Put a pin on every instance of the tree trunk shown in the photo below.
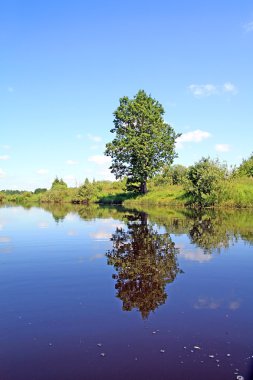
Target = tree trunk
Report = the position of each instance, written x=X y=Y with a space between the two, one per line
x=144 y=219
x=143 y=187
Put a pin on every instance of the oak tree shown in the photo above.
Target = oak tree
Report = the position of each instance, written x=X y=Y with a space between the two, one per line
x=143 y=142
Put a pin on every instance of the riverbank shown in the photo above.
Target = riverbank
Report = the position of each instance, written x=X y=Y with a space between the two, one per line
x=236 y=193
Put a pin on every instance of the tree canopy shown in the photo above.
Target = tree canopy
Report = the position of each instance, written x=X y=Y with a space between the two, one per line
x=59 y=184
x=143 y=142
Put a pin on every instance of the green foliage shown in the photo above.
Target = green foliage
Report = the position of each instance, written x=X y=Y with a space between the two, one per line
x=13 y=192
x=246 y=168
x=54 y=195
x=208 y=232
x=40 y=190
x=59 y=184
x=205 y=182
x=143 y=144
x=58 y=194
x=178 y=174
x=171 y=175
x=86 y=192
x=2 y=197
x=238 y=192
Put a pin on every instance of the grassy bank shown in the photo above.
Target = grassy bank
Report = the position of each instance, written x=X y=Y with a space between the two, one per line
x=238 y=193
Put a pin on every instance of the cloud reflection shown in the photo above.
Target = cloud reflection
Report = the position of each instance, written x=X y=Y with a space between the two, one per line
x=72 y=233
x=198 y=255
x=207 y=303
x=234 y=305
x=214 y=304
x=43 y=225
x=97 y=256
x=101 y=235
x=5 y=239
x=5 y=251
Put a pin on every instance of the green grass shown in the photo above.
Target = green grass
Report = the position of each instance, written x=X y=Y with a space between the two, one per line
x=238 y=193
x=171 y=195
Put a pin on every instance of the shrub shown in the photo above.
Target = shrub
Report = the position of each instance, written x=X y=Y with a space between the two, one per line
x=86 y=193
x=205 y=181
x=2 y=197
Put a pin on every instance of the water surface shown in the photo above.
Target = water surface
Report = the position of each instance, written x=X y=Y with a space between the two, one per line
x=105 y=293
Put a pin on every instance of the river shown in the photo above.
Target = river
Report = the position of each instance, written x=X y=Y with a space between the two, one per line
x=111 y=293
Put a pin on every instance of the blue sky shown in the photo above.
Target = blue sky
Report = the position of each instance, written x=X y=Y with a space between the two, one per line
x=65 y=64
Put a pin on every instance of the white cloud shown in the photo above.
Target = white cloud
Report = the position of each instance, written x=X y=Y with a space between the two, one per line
x=204 y=90
x=229 y=88
x=248 y=27
x=94 y=138
x=193 y=136
x=42 y=171
x=99 y=159
x=2 y=173
x=222 y=148
x=4 y=158
x=201 y=90
x=71 y=162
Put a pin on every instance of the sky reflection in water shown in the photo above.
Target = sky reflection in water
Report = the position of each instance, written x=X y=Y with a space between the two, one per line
x=92 y=293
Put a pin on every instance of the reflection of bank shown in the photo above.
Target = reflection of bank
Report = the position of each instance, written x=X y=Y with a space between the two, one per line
x=145 y=261
x=209 y=233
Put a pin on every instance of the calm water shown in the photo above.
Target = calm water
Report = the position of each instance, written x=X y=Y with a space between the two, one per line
x=91 y=293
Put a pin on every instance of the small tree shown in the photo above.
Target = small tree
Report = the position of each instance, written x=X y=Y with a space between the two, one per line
x=86 y=192
x=59 y=184
x=205 y=182
x=143 y=144
x=40 y=190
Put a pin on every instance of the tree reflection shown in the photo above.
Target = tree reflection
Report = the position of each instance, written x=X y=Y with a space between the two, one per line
x=209 y=232
x=58 y=211
x=145 y=261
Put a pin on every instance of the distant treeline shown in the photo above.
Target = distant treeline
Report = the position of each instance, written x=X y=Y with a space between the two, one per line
x=15 y=192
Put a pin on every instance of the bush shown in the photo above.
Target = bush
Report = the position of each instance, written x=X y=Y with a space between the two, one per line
x=2 y=197
x=86 y=193
x=205 y=180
